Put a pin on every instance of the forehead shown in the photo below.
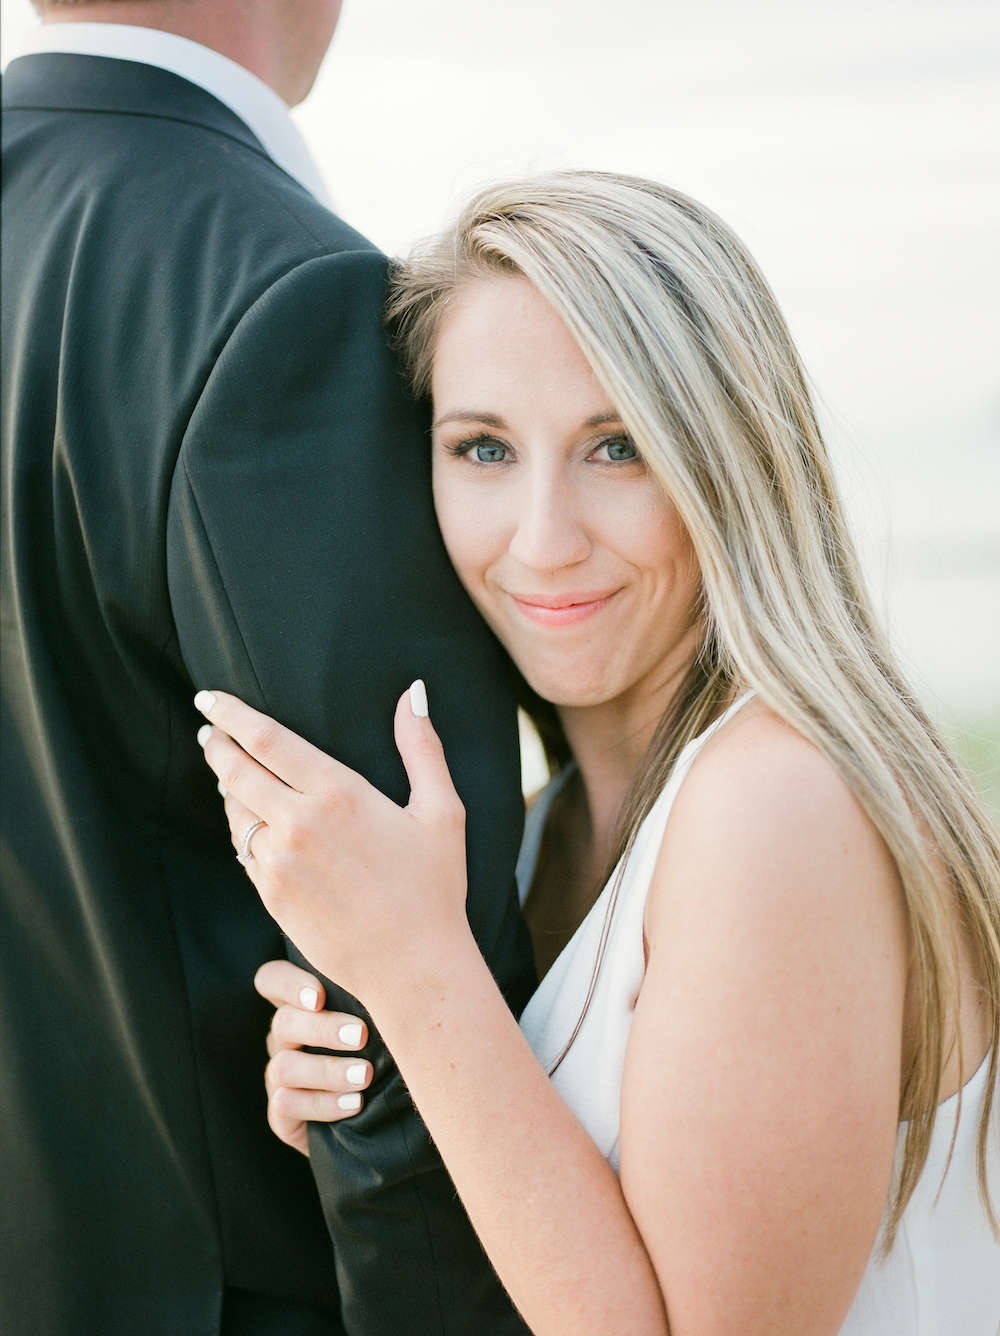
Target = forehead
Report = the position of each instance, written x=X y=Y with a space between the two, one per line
x=501 y=342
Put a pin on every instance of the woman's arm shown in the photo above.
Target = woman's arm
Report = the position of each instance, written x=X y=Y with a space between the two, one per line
x=305 y=1086
x=759 y=1109
x=761 y=1089
x=545 y=1203
x=374 y=894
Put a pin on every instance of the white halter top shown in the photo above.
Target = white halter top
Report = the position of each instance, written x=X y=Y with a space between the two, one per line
x=942 y=1276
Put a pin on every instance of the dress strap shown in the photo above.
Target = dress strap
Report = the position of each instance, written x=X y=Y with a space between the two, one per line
x=725 y=717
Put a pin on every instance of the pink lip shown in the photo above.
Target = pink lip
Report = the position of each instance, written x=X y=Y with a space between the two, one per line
x=563 y=609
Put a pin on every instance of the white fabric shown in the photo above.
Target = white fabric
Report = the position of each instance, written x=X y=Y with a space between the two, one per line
x=942 y=1277
x=258 y=106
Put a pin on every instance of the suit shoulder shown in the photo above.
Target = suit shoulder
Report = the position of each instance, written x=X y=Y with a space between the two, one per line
x=166 y=180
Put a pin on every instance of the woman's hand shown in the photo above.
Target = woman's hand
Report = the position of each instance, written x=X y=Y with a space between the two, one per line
x=372 y=893
x=308 y=1087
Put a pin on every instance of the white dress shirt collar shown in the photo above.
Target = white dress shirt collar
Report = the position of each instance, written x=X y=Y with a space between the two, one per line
x=257 y=105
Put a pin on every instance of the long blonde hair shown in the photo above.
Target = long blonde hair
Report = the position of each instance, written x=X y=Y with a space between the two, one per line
x=685 y=336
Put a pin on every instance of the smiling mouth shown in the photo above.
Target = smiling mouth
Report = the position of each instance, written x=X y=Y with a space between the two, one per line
x=563 y=609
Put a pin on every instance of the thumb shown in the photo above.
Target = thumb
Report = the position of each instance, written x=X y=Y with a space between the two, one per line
x=431 y=789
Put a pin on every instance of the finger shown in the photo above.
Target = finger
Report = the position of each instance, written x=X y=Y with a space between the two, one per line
x=241 y=776
x=240 y=819
x=431 y=787
x=313 y=1106
x=276 y=1045
x=234 y=808
x=254 y=869
x=282 y=983
x=294 y=1028
x=292 y=1131
x=317 y=1071
x=297 y=762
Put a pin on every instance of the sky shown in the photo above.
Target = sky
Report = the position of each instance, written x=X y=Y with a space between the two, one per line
x=855 y=146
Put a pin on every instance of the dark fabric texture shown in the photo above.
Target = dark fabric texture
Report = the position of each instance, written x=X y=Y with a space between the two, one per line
x=248 y=1314
x=213 y=477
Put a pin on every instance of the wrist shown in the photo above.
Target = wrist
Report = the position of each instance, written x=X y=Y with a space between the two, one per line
x=423 y=980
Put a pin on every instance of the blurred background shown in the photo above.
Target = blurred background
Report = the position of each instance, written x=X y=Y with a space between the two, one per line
x=855 y=146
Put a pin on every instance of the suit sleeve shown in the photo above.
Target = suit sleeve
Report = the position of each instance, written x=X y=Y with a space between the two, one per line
x=307 y=575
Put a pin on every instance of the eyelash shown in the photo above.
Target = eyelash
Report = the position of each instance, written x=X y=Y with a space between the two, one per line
x=464 y=447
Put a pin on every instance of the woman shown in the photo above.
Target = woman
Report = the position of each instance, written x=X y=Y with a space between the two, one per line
x=632 y=486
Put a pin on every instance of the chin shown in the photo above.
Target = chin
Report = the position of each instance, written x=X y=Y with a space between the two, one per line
x=572 y=690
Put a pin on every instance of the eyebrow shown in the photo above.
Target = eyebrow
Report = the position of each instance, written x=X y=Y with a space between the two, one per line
x=471 y=415
x=492 y=420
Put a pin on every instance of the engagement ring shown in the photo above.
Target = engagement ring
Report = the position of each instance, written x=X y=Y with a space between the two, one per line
x=246 y=853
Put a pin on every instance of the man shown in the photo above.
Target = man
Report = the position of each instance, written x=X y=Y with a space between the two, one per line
x=213 y=478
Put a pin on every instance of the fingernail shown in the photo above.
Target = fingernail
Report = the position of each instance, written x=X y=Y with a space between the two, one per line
x=223 y=790
x=205 y=701
x=308 y=997
x=350 y=1035
x=351 y=1103
x=204 y=733
x=418 y=700
x=356 y=1073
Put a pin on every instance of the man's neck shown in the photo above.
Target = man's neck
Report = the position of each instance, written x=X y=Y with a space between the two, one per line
x=243 y=33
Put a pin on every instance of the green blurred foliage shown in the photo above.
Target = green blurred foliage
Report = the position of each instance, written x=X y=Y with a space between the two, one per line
x=977 y=741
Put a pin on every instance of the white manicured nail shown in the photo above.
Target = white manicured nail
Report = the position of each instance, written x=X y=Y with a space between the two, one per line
x=350 y=1035
x=205 y=701
x=308 y=997
x=350 y=1103
x=223 y=790
x=418 y=699
x=204 y=733
x=356 y=1073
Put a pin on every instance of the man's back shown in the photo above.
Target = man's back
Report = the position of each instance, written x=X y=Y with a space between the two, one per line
x=212 y=478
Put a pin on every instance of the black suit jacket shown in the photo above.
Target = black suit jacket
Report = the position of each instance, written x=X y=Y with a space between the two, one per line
x=213 y=477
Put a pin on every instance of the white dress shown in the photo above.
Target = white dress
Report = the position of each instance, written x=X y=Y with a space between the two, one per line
x=942 y=1276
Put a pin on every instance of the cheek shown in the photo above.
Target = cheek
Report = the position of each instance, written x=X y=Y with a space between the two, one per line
x=678 y=561
x=645 y=531
x=676 y=549
x=653 y=540
x=472 y=525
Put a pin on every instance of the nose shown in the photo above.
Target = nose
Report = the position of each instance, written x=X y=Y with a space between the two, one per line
x=550 y=534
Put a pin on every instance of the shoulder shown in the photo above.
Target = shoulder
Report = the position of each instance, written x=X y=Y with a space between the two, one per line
x=766 y=826
x=173 y=240
x=306 y=387
x=239 y=209
x=311 y=348
x=168 y=201
x=761 y=773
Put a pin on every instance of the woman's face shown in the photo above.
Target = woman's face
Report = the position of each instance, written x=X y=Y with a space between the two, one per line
x=565 y=541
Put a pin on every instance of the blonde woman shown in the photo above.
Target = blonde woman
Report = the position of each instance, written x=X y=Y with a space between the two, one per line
x=755 y=1091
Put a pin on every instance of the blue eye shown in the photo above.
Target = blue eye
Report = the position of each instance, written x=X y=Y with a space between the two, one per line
x=491 y=452
x=621 y=448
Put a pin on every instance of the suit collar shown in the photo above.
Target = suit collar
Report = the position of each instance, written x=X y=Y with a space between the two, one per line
x=57 y=81
x=259 y=107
